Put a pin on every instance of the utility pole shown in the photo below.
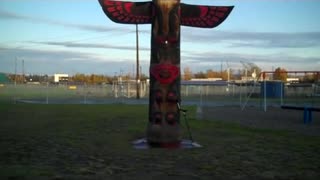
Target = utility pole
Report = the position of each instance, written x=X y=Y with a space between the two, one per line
x=228 y=72
x=221 y=67
x=23 y=76
x=15 y=72
x=137 y=64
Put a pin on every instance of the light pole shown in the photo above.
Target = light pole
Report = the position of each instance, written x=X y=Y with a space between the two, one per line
x=15 y=71
x=137 y=64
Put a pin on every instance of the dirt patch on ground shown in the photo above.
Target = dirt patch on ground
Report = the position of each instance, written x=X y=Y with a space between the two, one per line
x=273 y=118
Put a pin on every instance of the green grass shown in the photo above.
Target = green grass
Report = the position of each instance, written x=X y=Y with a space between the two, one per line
x=94 y=141
x=52 y=92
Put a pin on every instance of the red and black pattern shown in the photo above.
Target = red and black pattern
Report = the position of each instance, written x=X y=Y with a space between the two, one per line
x=166 y=16
x=203 y=16
x=165 y=73
x=128 y=12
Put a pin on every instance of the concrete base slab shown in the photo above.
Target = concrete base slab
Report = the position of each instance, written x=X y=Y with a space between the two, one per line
x=184 y=144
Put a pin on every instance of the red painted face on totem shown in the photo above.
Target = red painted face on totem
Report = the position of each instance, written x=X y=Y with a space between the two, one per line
x=165 y=73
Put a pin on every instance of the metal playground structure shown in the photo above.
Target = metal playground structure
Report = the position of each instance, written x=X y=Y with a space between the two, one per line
x=306 y=96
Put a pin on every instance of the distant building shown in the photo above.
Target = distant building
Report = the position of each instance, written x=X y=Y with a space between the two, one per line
x=248 y=78
x=293 y=80
x=206 y=79
x=4 y=78
x=60 y=78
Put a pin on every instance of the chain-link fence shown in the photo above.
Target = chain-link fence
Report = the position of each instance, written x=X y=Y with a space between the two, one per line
x=238 y=94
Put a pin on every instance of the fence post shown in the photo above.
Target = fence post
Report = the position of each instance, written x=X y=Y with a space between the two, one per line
x=47 y=93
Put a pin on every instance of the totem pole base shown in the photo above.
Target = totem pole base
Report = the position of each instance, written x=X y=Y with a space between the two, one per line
x=183 y=144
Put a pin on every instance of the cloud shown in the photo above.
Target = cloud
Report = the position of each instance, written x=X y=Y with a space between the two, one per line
x=231 y=39
x=71 y=60
x=9 y=15
x=255 y=39
x=74 y=61
x=209 y=60
x=86 y=27
x=89 y=45
x=45 y=55
x=63 y=61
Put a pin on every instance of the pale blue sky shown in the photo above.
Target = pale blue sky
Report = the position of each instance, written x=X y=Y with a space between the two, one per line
x=74 y=36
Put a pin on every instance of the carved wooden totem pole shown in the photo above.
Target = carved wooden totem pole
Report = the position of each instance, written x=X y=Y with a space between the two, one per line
x=166 y=17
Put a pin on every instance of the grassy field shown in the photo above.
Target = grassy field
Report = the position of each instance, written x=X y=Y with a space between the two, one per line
x=94 y=142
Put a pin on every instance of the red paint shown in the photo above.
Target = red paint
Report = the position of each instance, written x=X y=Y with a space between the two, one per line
x=108 y=3
x=165 y=73
x=111 y=9
x=204 y=16
x=203 y=11
x=168 y=145
x=223 y=9
x=172 y=97
x=220 y=14
x=122 y=12
x=171 y=145
x=171 y=118
x=159 y=97
x=128 y=6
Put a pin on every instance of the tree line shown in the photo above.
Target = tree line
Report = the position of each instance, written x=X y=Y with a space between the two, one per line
x=282 y=75
x=187 y=74
x=78 y=78
x=279 y=74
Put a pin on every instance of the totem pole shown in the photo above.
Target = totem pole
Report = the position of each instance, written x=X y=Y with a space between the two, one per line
x=166 y=17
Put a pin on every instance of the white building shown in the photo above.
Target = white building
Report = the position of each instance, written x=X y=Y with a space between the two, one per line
x=206 y=79
x=60 y=78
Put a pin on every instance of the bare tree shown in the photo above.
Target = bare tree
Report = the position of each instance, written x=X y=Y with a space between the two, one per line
x=280 y=74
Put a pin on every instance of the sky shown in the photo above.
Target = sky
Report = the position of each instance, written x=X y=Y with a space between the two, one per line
x=75 y=36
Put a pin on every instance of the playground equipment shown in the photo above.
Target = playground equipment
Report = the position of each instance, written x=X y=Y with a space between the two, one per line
x=292 y=93
x=307 y=112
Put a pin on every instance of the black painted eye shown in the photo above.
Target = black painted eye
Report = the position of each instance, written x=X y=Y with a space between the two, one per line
x=157 y=118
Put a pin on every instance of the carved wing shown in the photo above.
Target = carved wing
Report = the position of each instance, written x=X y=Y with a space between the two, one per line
x=127 y=12
x=203 y=16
